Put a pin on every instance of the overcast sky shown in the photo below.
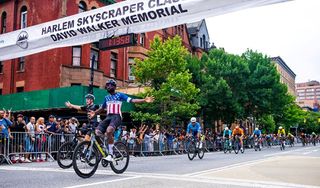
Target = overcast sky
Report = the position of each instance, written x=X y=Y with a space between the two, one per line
x=290 y=30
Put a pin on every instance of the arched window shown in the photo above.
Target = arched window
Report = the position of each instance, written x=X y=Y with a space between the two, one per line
x=204 y=42
x=82 y=7
x=93 y=8
x=3 y=22
x=23 y=17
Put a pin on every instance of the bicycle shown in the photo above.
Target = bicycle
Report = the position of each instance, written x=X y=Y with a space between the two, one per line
x=194 y=148
x=257 y=144
x=65 y=152
x=227 y=146
x=89 y=154
x=237 y=145
x=282 y=144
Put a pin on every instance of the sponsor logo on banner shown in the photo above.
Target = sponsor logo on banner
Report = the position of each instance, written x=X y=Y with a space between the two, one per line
x=22 y=40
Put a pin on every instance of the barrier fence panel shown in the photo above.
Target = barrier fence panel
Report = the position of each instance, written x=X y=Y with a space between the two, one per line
x=41 y=147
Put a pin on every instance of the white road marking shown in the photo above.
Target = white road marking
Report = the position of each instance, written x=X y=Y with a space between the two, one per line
x=104 y=182
x=306 y=153
x=195 y=178
x=235 y=182
x=286 y=152
x=247 y=163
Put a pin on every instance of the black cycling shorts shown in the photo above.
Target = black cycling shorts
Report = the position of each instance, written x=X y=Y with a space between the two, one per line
x=113 y=120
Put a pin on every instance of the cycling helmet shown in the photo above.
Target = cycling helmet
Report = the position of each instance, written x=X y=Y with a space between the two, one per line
x=237 y=127
x=256 y=128
x=226 y=128
x=112 y=82
x=193 y=120
x=280 y=127
x=90 y=96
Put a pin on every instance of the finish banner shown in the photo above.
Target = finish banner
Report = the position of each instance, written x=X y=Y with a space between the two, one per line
x=131 y=16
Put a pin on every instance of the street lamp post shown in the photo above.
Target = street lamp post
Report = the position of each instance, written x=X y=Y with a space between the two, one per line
x=92 y=74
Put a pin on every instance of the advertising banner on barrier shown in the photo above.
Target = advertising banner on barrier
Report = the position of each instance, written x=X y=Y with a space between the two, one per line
x=133 y=16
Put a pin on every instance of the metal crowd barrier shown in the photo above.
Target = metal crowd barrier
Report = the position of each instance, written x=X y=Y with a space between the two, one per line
x=36 y=147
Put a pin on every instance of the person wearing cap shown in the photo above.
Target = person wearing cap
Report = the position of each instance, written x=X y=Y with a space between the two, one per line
x=17 y=133
x=112 y=103
x=90 y=106
x=51 y=125
x=194 y=128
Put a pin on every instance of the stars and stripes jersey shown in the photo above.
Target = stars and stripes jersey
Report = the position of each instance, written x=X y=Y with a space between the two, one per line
x=113 y=103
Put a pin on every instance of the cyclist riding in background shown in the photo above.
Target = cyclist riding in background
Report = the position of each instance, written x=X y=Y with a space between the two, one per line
x=226 y=133
x=290 y=137
x=281 y=132
x=238 y=132
x=112 y=103
x=194 y=128
x=89 y=107
x=257 y=132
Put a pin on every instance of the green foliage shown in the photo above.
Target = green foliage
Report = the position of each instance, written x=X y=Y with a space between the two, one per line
x=163 y=58
x=236 y=87
x=267 y=124
x=166 y=73
x=310 y=122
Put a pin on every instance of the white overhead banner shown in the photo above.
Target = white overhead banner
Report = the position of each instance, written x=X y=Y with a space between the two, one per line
x=131 y=16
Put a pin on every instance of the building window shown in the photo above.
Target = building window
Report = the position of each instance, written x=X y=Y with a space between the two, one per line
x=113 y=65
x=82 y=7
x=1 y=67
x=1 y=91
x=23 y=17
x=75 y=84
x=21 y=64
x=20 y=89
x=131 y=66
x=3 y=22
x=93 y=8
x=142 y=39
x=94 y=52
x=76 y=56
x=204 y=41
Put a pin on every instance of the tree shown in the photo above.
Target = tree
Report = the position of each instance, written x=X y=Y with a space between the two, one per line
x=221 y=78
x=170 y=83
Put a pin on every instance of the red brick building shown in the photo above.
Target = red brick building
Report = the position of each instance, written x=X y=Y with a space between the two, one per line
x=64 y=67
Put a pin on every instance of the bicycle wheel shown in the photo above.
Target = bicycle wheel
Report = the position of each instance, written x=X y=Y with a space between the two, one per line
x=85 y=159
x=225 y=147
x=236 y=147
x=64 y=156
x=200 y=153
x=191 y=150
x=121 y=158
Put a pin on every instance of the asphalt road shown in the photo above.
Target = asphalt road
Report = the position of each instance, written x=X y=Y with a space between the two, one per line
x=295 y=167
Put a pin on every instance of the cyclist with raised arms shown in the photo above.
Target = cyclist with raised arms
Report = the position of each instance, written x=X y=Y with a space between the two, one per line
x=112 y=103
x=89 y=107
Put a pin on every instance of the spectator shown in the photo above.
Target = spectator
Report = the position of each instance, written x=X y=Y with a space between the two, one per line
x=73 y=125
x=30 y=138
x=51 y=126
x=60 y=125
x=66 y=127
x=124 y=136
x=132 y=139
x=5 y=125
x=40 y=138
x=17 y=131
